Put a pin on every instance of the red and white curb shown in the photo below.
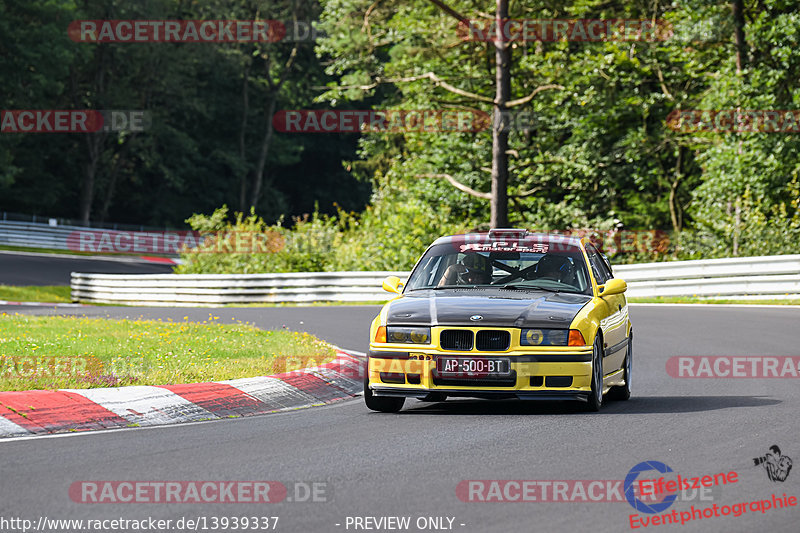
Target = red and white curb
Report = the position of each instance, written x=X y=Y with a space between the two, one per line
x=39 y=412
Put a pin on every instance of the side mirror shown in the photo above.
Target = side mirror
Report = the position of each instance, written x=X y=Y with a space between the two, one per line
x=613 y=286
x=392 y=284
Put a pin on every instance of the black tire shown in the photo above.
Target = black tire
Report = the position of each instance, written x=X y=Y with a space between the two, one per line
x=623 y=392
x=383 y=404
x=595 y=400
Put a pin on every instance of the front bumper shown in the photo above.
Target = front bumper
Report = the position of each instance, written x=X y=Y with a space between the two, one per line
x=543 y=375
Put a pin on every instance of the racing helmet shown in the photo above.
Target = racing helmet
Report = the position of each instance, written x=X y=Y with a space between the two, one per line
x=478 y=269
x=556 y=267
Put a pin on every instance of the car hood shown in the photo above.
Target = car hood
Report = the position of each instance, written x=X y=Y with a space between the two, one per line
x=498 y=308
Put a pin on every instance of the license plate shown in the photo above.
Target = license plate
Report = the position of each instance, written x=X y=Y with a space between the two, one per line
x=473 y=367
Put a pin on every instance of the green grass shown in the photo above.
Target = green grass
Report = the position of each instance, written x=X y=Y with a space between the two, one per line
x=695 y=300
x=43 y=352
x=46 y=293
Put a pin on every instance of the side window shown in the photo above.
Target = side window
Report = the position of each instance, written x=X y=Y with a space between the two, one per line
x=427 y=273
x=607 y=266
x=599 y=268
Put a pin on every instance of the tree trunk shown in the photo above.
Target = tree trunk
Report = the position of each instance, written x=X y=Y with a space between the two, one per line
x=499 y=201
x=674 y=208
x=737 y=220
x=737 y=6
x=258 y=177
x=242 y=133
x=119 y=160
x=94 y=142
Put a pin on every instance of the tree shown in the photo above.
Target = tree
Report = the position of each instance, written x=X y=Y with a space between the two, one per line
x=396 y=27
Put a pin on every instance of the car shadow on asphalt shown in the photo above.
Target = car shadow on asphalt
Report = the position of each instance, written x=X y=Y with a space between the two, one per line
x=636 y=405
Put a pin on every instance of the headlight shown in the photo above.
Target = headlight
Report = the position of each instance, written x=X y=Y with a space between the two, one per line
x=408 y=335
x=543 y=337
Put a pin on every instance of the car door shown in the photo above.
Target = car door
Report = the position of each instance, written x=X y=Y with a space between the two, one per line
x=615 y=316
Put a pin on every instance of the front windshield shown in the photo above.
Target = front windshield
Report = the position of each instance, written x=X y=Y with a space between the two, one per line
x=444 y=267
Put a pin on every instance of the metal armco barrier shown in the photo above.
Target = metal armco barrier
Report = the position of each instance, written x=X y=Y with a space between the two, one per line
x=770 y=277
x=39 y=235
x=220 y=289
x=36 y=235
x=766 y=277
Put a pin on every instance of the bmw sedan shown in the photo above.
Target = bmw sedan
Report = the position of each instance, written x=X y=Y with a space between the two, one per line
x=503 y=314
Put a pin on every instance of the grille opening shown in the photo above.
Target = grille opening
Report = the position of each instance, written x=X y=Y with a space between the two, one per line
x=506 y=381
x=537 y=381
x=490 y=340
x=413 y=379
x=558 y=381
x=456 y=339
x=393 y=377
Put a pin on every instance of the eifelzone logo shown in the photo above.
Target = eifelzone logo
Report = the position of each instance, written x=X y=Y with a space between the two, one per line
x=630 y=483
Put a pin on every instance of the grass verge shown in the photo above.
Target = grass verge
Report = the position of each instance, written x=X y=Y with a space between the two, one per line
x=59 y=251
x=46 y=293
x=691 y=300
x=39 y=352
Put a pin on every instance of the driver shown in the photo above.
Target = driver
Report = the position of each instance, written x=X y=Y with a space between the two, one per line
x=473 y=269
x=554 y=267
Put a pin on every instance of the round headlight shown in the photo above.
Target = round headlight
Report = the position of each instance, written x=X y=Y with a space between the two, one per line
x=534 y=337
x=398 y=336
x=419 y=337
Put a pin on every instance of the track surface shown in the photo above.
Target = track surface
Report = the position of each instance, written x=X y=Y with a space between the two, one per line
x=22 y=268
x=410 y=464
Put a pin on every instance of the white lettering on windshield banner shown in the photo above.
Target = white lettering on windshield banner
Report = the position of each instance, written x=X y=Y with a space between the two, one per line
x=504 y=247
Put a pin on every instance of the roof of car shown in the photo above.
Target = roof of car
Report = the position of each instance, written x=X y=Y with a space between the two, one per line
x=506 y=234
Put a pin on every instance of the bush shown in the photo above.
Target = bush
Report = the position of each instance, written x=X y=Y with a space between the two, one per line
x=389 y=235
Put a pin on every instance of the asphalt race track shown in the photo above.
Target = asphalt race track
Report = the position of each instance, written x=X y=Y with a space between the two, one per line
x=26 y=268
x=409 y=464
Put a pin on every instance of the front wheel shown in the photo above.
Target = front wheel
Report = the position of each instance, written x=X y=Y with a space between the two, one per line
x=381 y=403
x=595 y=399
x=623 y=392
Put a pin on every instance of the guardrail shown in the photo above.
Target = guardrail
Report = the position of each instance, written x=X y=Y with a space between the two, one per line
x=35 y=235
x=9 y=217
x=764 y=277
x=39 y=235
x=772 y=277
x=220 y=289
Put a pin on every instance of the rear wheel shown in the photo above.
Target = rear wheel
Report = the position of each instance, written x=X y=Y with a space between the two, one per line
x=383 y=404
x=595 y=399
x=623 y=392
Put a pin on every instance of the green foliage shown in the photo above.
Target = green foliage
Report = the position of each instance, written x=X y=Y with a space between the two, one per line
x=204 y=140
x=598 y=155
x=390 y=235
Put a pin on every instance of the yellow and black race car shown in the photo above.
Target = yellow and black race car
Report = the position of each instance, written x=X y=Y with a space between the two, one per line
x=503 y=314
